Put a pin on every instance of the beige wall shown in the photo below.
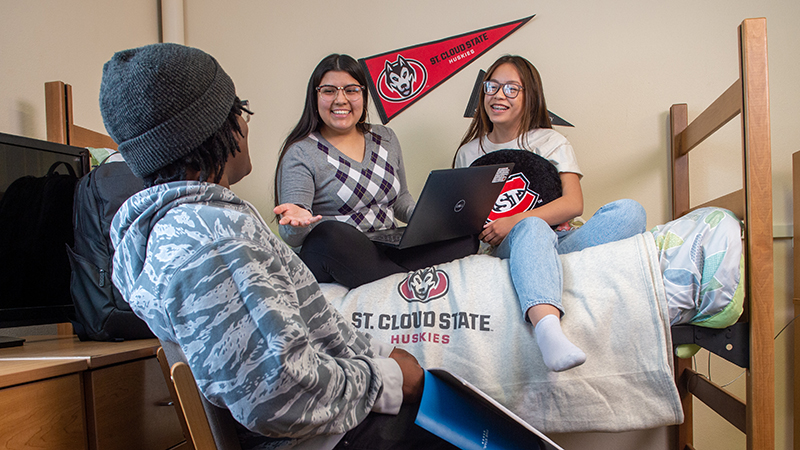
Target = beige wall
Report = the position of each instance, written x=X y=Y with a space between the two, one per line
x=611 y=68
x=46 y=40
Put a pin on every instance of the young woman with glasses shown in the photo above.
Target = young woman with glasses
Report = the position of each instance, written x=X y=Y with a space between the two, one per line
x=338 y=176
x=512 y=114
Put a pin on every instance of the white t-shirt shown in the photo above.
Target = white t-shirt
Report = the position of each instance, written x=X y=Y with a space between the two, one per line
x=545 y=142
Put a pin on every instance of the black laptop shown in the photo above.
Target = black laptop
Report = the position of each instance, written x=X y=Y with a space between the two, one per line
x=453 y=203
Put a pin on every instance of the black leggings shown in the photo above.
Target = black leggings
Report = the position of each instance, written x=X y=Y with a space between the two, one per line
x=338 y=252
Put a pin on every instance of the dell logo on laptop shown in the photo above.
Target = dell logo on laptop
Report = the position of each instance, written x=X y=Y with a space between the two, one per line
x=459 y=206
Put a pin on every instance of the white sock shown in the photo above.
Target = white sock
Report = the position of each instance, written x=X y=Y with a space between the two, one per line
x=558 y=352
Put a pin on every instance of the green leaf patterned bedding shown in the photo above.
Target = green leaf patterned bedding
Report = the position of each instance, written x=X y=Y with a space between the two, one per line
x=702 y=262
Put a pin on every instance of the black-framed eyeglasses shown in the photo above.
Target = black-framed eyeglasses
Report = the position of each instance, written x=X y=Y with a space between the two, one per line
x=246 y=113
x=510 y=90
x=351 y=91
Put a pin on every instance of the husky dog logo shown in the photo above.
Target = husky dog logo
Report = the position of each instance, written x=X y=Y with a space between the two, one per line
x=424 y=285
x=401 y=80
x=400 y=76
x=516 y=197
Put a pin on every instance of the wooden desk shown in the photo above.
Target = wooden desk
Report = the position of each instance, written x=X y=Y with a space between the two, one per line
x=59 y=393
x=43 y=404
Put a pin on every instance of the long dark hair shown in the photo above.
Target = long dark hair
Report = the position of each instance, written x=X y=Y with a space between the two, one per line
x=534 y=111
x=310 y=120
x=208 y=158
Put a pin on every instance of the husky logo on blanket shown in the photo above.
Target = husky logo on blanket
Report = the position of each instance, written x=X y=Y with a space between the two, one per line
x=401 y=80
x=516 y=197
x=424 y=285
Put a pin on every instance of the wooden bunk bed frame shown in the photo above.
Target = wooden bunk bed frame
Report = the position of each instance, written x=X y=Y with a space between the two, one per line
x=748 y=96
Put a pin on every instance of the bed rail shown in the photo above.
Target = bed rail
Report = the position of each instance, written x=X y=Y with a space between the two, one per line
x=748 y=96
x=61 y=126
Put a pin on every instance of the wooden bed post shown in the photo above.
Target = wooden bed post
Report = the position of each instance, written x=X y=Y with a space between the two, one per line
x=758 y=234
x=748 y=96
x=58 y=110
x=679 y=120
x=796 y=296
x=58 y=105
x=61 y=127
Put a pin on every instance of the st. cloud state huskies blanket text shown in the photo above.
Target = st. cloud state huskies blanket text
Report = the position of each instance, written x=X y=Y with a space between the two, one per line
x=464 y=316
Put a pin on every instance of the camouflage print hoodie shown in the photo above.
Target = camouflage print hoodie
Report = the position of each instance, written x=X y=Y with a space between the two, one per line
x=201 y=267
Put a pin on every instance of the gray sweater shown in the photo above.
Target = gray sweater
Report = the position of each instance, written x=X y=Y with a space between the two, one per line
x=367 y=194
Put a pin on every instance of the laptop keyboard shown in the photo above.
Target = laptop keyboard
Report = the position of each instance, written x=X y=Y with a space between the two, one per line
x=388 y=238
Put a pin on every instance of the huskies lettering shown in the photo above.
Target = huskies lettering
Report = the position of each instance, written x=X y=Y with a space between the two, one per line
x=424 y=285
x=461 y=56
x=435 y=338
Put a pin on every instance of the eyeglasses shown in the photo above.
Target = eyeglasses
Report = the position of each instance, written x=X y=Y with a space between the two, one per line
x=351 y=91
x=509 y=90
x=246 y=113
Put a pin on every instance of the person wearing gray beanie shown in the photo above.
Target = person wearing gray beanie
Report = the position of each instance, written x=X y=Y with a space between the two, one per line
x=200 y=266
x=161 y=101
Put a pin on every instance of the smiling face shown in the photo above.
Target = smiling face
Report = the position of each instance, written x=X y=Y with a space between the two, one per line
x=505 y=112
x=339 y=115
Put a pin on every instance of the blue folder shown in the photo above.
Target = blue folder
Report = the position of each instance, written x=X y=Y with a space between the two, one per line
x=466 y=417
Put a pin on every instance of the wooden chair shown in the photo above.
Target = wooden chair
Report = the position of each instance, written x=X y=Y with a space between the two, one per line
x=165 y=370
x=192 y=405
x=205 y=426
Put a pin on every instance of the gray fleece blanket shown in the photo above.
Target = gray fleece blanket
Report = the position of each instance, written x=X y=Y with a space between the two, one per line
x=464 y=316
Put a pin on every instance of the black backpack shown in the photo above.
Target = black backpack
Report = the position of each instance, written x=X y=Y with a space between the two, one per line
x=35 y=223
x=102 y=313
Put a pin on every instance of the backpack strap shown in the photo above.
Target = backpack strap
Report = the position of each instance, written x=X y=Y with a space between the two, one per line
x=54 y=167
x=107 y=158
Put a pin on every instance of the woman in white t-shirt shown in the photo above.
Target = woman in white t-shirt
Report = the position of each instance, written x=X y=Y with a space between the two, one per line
x=512 y=114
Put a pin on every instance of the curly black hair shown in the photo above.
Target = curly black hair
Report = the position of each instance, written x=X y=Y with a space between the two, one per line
x=208 y=158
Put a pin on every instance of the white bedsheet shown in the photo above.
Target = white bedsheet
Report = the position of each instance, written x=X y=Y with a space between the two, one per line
x=469 y=321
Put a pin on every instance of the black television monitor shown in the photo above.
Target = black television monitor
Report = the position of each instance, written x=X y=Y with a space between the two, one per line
x=34 y=289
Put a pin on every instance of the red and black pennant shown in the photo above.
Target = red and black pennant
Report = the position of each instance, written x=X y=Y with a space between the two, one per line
x=397 y=79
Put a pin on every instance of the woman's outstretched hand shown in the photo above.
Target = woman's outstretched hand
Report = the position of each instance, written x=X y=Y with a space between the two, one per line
x=294 y=215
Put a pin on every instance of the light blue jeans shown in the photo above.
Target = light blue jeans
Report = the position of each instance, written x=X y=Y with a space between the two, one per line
x=532 y=248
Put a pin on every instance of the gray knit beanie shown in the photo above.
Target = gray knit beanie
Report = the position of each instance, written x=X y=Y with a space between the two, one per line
x=161 y=101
